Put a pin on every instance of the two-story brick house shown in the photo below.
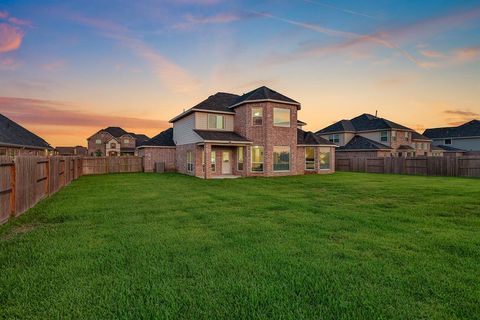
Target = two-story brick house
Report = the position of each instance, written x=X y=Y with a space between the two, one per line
x=227 y=135
x=371 y=136
x=114 y=141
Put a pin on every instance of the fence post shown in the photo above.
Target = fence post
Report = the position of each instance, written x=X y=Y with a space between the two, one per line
x=47 y=181
x=13 y=177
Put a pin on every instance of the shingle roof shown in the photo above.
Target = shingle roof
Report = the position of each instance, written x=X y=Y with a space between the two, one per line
x=418 y=136
x=163 y=139
x=362 y=143
x=11 y=133
x=448 y=148
x=220 y=136
x=263 y=93
x=405 y=147
x=309 y=138
x=115 y=131
x=364 y=122
x=218 y=102
x=469 y=129
x=140 y=137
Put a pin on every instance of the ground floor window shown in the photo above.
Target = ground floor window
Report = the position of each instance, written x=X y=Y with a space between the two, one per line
x=189 y=161
x=281 y=158
x=309 y=158
x=213 y=161
x=324 y=158
x=257 y=158
x=240 y=158
x=3 y=151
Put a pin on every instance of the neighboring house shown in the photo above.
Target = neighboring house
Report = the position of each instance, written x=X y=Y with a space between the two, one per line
x=71 y=151
x=16 y=140
x=465 y=137
x=114 y=141
x=226 y=135
x=371 y=136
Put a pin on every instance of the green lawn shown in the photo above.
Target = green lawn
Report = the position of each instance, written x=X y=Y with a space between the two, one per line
x=342 y=246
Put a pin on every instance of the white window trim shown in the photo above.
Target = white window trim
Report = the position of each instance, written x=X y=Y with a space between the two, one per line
x=214 y=162
x=216 y=118
x=243 y=160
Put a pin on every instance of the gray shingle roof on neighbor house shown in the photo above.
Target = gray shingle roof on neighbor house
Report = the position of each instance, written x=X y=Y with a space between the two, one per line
x=13 y=134
x=209 y=135
x=140 y=137
x=115 y=131
x=364 y=122
x=309 y=138
x=163 y=139
x=448 y=148
x=469 y=129
x=418 y=136
x=263 y=93
x=362 y=143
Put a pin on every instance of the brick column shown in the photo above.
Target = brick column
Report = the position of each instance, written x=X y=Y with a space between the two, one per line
x=207 y=149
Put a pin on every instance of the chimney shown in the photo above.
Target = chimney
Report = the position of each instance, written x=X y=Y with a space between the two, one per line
x=376 y=113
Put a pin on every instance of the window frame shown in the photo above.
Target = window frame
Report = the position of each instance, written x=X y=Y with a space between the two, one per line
x=445 y=142
x=383 y=135
x=213 y=161
x=216 y=117
x=311 y=162
x=126 y=141
x=98 y=141
x=190 y=165
x=289 y=117
x=329 y=153
x=253 y=117
x=252 y=158
x=113 y=145
x=240 y=160
x=289 y=158
x=334 y=138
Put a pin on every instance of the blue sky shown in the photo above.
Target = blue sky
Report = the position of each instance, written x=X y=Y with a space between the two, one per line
x=139 y=63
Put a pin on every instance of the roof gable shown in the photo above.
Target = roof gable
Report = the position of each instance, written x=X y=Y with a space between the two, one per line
x=115 y=131
x=261 y=94
x=11 y=133
x=362 y=143
x=309 y=138
x=163 y=139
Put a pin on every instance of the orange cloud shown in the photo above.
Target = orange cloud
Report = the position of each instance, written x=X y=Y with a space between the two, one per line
x=432 y=54
x=10 y=38
x=467 y=54
x=54 y=65
x=46 y=112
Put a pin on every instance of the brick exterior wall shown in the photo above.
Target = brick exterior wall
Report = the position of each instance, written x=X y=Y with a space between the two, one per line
x=267 y=135
x=154 y=154
x=301 y=161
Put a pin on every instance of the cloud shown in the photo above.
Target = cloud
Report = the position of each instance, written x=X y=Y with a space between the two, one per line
x=54 y=65
x=9 y=64
x=385 y=38
x=10 y=38
x=4 y=15
x=46 y=112
x=432 y=54
x=168 y=72
x=326 y=5
x=467 y=54
x=220 y=18
x=197 y=2
x=464 y=113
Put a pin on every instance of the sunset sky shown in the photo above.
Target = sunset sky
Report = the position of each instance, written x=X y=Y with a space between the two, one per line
x=70 y=68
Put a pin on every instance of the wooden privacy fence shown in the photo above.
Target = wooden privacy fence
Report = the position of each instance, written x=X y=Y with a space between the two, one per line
x=103 y=165
x=26 y=180
x=430 y=166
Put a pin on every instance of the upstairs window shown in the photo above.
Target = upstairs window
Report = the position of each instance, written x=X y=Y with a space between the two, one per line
x=384 y=136
x=216 y=121
x=448 y=141
x=113 y=145
x=281 y=117
x=3 y=151
x=335 y=138
x=98 y=141
x=257 y=116
x=394 y=135
x=126 y=141
x=406 y=135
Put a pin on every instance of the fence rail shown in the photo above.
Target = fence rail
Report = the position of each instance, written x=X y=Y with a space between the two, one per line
x=431 y=166
x=103 y=165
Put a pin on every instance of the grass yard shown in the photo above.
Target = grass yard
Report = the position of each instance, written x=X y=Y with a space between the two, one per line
x=342 y=246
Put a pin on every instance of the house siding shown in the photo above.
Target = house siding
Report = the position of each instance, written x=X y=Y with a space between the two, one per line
x=183 y=131
x=468 y=144
x=201 y=121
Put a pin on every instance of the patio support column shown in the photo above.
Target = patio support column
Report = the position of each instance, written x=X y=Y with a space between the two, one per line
x=207 y=149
